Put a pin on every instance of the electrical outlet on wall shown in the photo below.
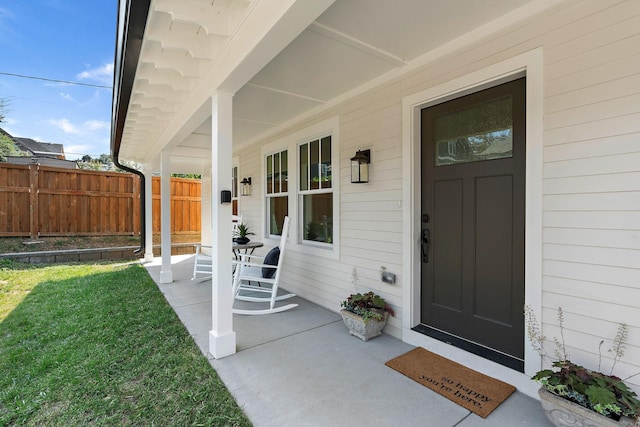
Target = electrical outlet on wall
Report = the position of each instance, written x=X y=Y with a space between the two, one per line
x=386 y=276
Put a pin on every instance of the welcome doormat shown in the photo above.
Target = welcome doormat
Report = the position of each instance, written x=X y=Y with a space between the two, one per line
x=468 y=388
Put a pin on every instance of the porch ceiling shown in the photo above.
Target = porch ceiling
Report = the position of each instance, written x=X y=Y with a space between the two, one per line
x=343 y=46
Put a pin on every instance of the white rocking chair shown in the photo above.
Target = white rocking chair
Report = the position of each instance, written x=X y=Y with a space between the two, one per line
x=249 y=283
x=203 y=262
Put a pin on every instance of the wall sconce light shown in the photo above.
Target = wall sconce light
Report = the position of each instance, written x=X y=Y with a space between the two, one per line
x=246 y=186
x=360 y=167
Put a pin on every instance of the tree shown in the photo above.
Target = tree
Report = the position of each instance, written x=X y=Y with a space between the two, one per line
x=7 y=148
x=4 y=106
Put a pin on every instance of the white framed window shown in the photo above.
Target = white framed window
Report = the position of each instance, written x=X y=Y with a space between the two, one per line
x=301 y=178
x=315 y=190
x=234 y=190
x=277 y=191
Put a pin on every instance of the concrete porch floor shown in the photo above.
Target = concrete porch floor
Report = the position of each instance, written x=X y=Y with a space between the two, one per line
x=302 y=368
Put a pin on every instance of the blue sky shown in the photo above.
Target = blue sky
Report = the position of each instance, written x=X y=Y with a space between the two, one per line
x=70 y=40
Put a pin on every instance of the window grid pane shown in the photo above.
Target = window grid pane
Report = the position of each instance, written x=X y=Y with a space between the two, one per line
x=276 y=173
x=277 y=200
x=234 y=182
x=284 y=172
x=325 y=162
x=278 y=209
x=317 y=211
x=314 y=161
x=304 y=167
x=269 y=174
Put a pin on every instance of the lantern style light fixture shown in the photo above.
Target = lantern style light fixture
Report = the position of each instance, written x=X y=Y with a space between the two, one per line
x=246 y=186
x=360 y=167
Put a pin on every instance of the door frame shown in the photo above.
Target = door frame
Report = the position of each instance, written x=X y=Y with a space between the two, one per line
x=529 y=64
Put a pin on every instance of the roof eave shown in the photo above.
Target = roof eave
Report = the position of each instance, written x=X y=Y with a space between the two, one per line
x=132 y=20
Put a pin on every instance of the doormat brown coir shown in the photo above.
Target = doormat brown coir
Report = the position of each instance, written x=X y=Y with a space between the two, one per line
x=468 y=388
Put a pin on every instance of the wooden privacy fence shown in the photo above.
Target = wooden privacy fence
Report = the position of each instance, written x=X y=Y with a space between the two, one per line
x=186 y=202
x=39 y=200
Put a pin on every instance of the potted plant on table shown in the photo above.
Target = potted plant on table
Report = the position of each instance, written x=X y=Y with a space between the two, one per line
x=241 y=232
x=573 y=395
x=365 y=314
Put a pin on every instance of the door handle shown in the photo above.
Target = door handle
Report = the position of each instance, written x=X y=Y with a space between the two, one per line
x=426 y=243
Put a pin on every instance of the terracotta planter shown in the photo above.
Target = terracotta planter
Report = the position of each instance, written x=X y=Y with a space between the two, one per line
x=563 y=412
x=358 y=327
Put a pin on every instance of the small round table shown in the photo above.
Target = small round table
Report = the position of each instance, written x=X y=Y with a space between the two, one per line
x=248 y=248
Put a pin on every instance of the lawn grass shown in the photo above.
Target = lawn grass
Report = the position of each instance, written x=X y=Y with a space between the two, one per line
x=99 y=345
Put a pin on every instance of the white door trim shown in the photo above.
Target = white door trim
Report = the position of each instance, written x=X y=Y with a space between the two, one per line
x=529 y=64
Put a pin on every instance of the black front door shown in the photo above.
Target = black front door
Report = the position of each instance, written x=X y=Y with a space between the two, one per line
x=473 y=202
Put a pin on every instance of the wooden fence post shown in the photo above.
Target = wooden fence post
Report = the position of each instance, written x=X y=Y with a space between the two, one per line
x=33 y=200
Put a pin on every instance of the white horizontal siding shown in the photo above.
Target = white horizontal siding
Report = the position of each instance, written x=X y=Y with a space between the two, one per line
x=620 y=278
x=614 y=257
x=626 y=201
x=581 y=345
x=617 y=163
x=619 y=182
x=591 y=173
x=592 y=291
x=602 y=65
x=599 y=219
x=627 y=103
x=601 y=129
x=598 y=93
x=612 y=145
x=250 y=207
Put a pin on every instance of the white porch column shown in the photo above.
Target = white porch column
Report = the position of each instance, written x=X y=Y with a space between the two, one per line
x=222 y=338
x=148 y=216
x=207 y=203
x=166 y=275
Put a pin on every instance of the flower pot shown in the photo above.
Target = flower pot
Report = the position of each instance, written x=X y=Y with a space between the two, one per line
x=242 y=240
x=563 y=412
x=361 y=329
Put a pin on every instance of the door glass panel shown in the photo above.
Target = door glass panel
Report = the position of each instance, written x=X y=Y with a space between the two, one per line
x=481 y=132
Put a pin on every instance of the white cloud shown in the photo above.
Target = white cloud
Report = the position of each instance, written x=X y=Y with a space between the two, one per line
x=67 y=97
x=92 y=125
x=65 y=125
x=103 y=74
x=77 y=129
x=79 y=138
x=74 y=152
